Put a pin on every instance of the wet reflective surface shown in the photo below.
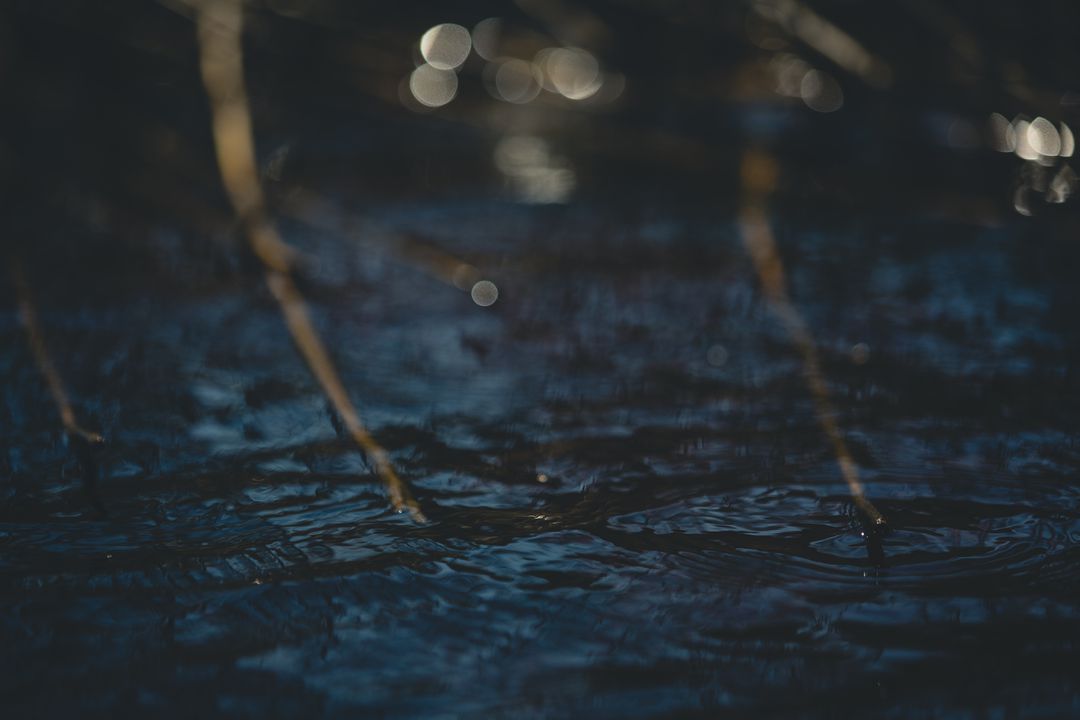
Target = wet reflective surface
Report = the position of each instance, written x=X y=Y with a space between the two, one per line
x=634 y=511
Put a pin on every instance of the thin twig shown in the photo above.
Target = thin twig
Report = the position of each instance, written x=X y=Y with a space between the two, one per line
x=28 y=313
x=800 y=21
x=759 y=174
x=221 y=61
x=318 y=212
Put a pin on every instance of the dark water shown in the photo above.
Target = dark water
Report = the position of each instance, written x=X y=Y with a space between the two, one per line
x=634 y=511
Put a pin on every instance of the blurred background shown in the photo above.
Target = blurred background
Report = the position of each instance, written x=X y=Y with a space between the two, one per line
x=522 y=233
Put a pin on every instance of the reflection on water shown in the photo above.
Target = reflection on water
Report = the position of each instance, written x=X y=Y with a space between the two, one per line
x=628 y=343
x=533 y=171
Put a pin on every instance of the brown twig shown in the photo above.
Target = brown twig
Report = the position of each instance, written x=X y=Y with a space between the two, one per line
x=28 y=314
x=314 y=210
x=221 y=60
x=759 y=175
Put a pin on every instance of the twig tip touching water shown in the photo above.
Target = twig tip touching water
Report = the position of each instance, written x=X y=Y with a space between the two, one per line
x=759 y=176
x=29 y=319
x=221 y=61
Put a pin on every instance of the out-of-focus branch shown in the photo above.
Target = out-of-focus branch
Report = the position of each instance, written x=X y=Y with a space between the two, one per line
x=829 y=40
x=28 y=314
x=221 y=59
x=313 y=210
x=759 y=174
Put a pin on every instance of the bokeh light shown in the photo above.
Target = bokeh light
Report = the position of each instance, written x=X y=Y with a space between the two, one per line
x=1023 y=150
x=484 y=293
x=433 y=87
x=572 y=72
x=821 y=92
x=485 y=38
x=789 y=71
x=515 y=81
x=534 y=173
x=1043 y=137
x=1068 y=144
x=446 y=46
x=1002 y=133
x=1062 y=186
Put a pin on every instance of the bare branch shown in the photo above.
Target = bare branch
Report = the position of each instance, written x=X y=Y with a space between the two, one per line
x=221 y=59
x=759 y=174
x=28 y=314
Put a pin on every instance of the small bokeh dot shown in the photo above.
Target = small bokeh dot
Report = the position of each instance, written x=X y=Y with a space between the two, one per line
x=717 y=356
x=484 y=293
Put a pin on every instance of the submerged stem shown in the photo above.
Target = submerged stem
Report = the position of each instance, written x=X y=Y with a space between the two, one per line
x=28 y=314
x=221 y=60
x=758 y=180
